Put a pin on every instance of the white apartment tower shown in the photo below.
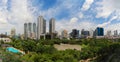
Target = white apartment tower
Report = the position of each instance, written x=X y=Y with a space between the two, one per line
x=52 y=26
x=41 y=26
x=25 y=31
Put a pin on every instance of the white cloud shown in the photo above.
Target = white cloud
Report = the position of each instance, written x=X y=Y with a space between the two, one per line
x=87 y=25
x=107 y=23
x=73 y=20
x=19 y=12
x=60 y=6
x=87 y=4
x=107 y=7
x=80 y=15
x=2 y=21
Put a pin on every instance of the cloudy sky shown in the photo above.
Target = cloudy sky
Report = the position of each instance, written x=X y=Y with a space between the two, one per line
x=69 y=14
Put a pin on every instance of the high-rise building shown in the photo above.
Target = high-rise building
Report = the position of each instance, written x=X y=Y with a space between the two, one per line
x=25 y=30
x=13 y=32
x=85 y=33
x=29 y=30
x=64 y=34
x=91 y=33
x=41 y=27
x=52 y=26
x=99 y=31
x=109 y=33
x=75 y=33
x=34 y=30
x=44 y=26
x=115 y=33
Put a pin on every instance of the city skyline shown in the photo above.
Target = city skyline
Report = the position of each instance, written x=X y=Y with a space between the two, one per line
x=69 y=14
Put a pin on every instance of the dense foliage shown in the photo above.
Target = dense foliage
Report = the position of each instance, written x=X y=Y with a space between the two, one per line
x=97 y=50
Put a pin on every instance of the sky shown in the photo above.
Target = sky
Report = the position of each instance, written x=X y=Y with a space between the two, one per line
x=69 y=14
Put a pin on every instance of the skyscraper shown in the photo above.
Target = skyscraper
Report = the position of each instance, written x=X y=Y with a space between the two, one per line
x=41 y=26
x=44 y=26
x=52 y=26
x=115 y=33
x=29 y=30
x=25 y=31
x=99 y=31
x=85 y=33
x=34 y=30
x=75 y=33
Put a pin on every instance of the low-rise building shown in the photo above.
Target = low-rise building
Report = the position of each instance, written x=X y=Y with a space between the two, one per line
x=4 y=38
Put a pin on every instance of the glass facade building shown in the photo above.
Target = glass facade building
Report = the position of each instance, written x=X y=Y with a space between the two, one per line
x=99 y=31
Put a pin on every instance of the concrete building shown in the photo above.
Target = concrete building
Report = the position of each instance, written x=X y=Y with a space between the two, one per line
x=85 y=33
x=64 y=34
x=91 y=33
x=75 y=33
x=109 y=33
x=115 y=33
x=52 y=26
x=29 y=30
x=25 y=31
x=34 y=30
x=13 y=32
x=41 y=27
x=44 y=26
x=5 y=38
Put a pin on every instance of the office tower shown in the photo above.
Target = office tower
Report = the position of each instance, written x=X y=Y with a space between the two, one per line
x=52 y=26
x=25 y=30
x=82 y=32
x=44 y=26
x=29 y=30
x=13 y=32
x=99 y=31
x=64 y=34
x=115 y=33
x=41 y=26
x=34 y=30
x=109 y=33
x=75 y=33
x=85 y=33
x=91 y=33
